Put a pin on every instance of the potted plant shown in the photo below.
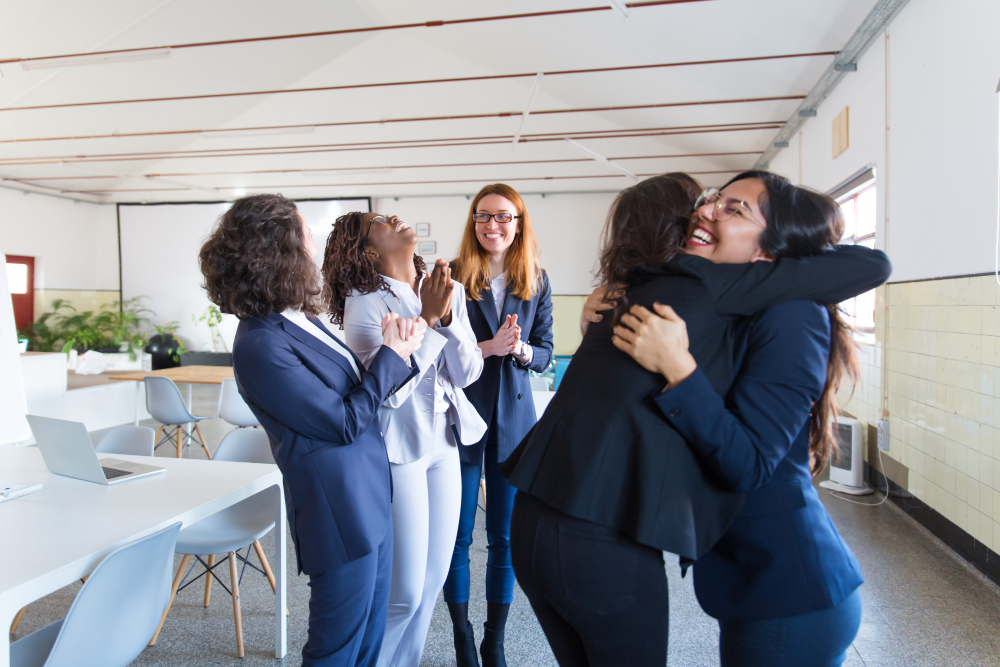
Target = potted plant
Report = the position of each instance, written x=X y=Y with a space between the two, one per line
x=165 y=346
x=212 y=318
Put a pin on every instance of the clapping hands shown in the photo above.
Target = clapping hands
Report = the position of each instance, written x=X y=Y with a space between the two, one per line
x=435 y=295
x=403 y=334
x=507 y=341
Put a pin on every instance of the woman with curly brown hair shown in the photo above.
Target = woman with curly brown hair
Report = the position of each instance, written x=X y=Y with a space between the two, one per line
x=370 y=271
x=319 y=408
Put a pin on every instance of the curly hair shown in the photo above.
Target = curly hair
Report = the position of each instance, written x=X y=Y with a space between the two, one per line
x=255 y=261
x=647 y=224
x=347 y=267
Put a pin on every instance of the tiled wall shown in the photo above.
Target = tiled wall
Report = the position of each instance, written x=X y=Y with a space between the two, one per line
x=943 y=381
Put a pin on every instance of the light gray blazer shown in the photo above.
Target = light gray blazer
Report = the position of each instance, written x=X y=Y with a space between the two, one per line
x=448 y=356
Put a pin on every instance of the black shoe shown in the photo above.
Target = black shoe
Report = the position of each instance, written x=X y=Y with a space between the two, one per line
x=492 y=648
x=465 y=647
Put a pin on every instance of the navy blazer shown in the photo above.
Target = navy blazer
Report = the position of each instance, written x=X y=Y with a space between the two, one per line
x=324 y=431
x=503 y=387
x=782 y=556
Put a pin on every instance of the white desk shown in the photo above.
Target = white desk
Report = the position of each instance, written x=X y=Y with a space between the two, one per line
x=56 y=536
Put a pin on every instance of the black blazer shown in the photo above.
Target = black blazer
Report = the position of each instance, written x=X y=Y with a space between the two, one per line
x=503 y=388
x=604 y=453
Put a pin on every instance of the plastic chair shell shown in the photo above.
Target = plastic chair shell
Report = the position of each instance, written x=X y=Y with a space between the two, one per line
x=136 y=440
x=164 y=402
x=248 y=445
x=113 y=615
x=233 y=408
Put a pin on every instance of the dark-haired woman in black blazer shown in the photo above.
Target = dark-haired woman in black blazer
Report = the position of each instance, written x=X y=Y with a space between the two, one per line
x=604 y=483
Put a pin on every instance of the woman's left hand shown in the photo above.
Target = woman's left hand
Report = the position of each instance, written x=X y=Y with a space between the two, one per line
x=658 y=341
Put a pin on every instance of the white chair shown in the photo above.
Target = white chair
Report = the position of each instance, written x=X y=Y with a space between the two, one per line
x=112 y=614
x=233 y=408
x=137 y=440
x=238 y=526
x=164 y=403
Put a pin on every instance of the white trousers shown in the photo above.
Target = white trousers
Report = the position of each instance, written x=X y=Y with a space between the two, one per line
x=426 y=500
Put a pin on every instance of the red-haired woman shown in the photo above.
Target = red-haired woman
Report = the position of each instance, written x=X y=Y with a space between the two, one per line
x=512 y=318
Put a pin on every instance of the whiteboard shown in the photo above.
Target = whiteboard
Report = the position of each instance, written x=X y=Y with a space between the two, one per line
x=159 y=245
x=13 y=425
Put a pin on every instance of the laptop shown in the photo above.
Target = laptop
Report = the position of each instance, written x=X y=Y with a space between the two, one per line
x=67 y=451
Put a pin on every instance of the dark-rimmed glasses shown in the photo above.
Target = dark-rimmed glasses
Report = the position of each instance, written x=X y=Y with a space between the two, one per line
x=724 y=209
x=380 y=219
x=483 y=218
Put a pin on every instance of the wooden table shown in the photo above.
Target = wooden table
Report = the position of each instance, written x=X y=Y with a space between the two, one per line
x=189 y=375
x=55 y=536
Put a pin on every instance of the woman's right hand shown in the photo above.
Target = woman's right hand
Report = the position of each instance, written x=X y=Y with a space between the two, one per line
x=403 y=334
x=504 y=342
x=600 y=299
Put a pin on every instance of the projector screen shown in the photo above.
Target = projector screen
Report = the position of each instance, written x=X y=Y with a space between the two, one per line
x=159 y=246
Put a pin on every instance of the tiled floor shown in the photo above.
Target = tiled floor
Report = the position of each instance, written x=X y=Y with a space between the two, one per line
x=922 y=606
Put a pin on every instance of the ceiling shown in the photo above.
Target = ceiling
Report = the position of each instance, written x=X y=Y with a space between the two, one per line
x=445 y=113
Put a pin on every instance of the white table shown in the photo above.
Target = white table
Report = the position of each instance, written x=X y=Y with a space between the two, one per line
x=56 y=536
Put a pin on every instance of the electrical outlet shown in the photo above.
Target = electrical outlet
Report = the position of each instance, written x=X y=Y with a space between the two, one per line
x=883 y=434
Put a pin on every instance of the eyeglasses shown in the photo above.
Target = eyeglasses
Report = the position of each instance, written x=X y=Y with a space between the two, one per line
x=724 y=209
x=380 y=219
x=483 y=218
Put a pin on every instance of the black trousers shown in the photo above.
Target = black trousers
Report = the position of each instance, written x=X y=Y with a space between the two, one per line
x=600 y=597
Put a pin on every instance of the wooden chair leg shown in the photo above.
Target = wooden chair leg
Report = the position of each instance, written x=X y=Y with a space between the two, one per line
x=156 y=440
x=202 y=438
x=17 y=620
x=180 y=439
x=265 y=564
x=173 y=592
x=208 y=580
x=482 y=489
x=234 y=584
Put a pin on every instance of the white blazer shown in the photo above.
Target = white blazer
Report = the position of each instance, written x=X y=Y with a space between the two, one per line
x=448 y=357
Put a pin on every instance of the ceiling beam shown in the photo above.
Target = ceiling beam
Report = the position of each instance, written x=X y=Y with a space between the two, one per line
x=277 y=129
x=418 y=82
x=846 y=61
x=97 y=55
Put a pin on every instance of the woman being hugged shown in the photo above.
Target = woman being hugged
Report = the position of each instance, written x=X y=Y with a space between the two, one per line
x=370 y=272
x=511 y=314
x=319 y=408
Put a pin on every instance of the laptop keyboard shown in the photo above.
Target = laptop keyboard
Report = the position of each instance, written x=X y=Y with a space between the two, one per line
x=111 y=473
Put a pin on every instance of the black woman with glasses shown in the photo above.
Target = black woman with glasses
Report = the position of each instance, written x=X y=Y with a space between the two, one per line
x=370 y=271
x=511 y=314
x=612 y=476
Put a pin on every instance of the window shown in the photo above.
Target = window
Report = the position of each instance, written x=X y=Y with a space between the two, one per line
x=17 y=278
x=859 y=229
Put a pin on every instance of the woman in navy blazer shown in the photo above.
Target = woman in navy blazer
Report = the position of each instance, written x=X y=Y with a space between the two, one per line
x=319 y=408
x=781 y=581
x=512 y=319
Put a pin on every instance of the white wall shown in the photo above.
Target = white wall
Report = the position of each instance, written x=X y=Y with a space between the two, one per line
x=944 y=62
x=75 y=245
x=159 y=249
x=568 y=227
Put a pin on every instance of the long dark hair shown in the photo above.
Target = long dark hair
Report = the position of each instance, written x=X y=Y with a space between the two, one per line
x=647 y=224
x=803 y=222
x=347 y=267
x=255 y=260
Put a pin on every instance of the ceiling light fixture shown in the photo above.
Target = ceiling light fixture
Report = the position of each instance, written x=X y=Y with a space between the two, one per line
x=258 y=131
x=619 y=7
x=96 y=58
x=600 y=158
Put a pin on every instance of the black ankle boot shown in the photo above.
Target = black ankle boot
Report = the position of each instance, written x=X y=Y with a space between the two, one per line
x=492 y=648
x=465 y=647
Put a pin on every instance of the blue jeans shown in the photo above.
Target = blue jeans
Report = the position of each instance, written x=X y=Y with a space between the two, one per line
x=499 y=502
x=818 y=639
